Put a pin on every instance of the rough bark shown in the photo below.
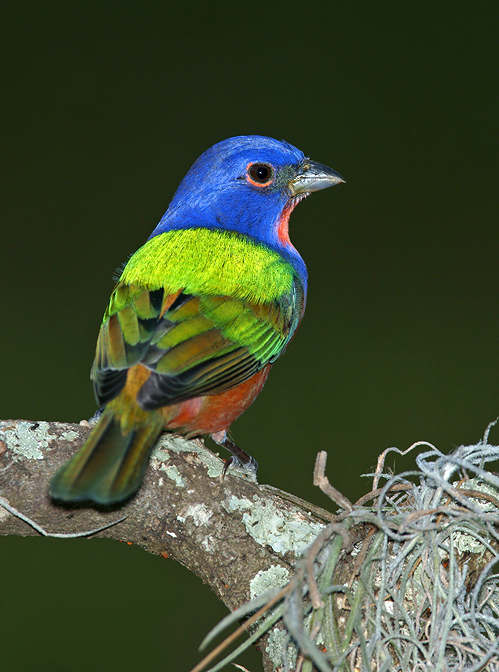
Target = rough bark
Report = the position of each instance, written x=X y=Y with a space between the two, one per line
x=238 y=537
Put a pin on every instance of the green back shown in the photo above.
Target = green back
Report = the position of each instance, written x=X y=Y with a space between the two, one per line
x=204 y=310
x=207 y=261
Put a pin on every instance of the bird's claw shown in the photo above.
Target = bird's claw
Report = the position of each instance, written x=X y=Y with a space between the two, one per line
x=239 y=459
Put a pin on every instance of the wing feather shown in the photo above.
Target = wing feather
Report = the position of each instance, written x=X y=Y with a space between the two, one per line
x=193 y=345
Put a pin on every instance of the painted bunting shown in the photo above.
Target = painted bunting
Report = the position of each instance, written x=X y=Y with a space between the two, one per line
x=200 y=313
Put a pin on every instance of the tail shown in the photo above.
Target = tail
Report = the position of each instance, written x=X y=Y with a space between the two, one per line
x=110 y=465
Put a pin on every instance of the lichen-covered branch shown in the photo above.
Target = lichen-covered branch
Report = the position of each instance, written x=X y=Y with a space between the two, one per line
x=236 y=536
x=403 y=578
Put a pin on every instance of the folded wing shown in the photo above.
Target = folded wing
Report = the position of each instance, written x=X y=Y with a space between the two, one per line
x=193 y=345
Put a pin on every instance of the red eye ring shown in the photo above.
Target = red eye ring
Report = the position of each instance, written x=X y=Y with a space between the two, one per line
x=259 y=174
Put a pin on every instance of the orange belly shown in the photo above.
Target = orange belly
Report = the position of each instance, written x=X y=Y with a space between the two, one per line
x=215 y=412
x=208 y=414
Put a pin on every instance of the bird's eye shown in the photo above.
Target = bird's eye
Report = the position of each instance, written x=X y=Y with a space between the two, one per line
x=260 y=174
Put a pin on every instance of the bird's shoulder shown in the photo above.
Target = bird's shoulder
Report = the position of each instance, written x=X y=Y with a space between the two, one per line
x=210 y=262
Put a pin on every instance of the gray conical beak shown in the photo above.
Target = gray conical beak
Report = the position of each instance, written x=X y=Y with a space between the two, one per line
x=313 y=176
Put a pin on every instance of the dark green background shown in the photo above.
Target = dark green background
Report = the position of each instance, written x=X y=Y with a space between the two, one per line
x=105 y=106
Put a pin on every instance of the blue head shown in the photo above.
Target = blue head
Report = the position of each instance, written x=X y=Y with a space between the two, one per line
x=247 y=184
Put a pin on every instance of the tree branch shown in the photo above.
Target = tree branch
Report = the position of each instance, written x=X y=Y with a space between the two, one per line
x=415 y=565
x=237 y=536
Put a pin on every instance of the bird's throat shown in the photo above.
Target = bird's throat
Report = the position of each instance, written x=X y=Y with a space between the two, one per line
x=283 y=221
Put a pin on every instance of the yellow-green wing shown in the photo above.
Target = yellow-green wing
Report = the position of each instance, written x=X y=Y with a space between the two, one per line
x=194 y=345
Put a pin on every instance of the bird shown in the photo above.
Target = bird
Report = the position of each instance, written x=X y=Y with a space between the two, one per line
x=198 y=316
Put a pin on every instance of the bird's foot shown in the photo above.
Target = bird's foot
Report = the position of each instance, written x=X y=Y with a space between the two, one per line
x=249 y=468
x=238 y=459
x=96 y=416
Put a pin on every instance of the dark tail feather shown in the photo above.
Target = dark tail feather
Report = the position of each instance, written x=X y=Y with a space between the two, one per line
x=110 y=466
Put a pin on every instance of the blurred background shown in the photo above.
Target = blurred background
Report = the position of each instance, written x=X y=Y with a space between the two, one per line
x=105 y=107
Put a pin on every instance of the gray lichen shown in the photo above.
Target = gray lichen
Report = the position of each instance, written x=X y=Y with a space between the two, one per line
x=274 y=577
x=27 y=439
x=270 y=525
x=199 y=513
x=173 y=474
x=171 y=443
x=278 y=640
x=69 y=435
